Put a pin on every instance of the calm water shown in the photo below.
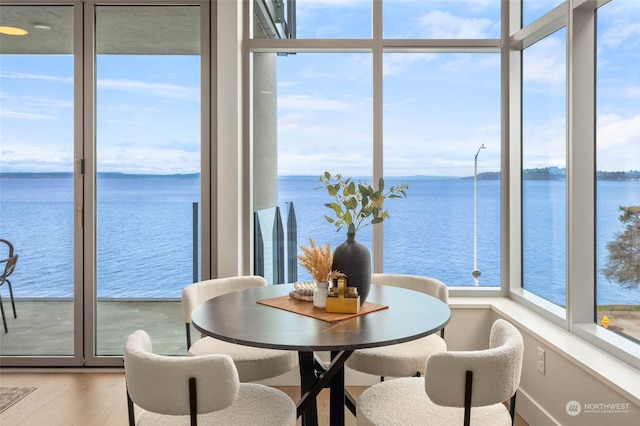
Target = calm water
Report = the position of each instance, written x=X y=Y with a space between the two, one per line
x=145 y=233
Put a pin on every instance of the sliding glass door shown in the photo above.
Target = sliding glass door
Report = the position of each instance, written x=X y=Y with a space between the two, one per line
x=99 y=176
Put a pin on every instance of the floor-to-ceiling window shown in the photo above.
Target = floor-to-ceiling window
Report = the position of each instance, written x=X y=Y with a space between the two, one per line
x=100 y=175
x=579 y=145
x=408 y=106
x=431 y=63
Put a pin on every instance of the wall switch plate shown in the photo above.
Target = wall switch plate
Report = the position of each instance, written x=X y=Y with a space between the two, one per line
x=540 y=360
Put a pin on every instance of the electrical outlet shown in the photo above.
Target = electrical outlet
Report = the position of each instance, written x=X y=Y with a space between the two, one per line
x=540 y=360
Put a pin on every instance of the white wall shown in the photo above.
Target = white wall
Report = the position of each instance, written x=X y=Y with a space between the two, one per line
x=574 y=370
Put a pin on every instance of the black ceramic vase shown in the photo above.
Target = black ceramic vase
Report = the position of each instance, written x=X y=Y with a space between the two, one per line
x=353 y=259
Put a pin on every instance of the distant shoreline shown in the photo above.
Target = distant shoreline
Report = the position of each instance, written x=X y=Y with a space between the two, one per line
x=547 y=173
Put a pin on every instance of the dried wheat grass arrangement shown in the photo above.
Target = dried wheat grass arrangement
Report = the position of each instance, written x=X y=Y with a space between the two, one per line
x=318 y=261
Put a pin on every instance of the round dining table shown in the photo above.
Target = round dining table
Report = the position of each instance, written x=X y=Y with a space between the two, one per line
x=238 y=317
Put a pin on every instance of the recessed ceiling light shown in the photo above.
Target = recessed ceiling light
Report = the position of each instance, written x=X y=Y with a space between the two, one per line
x=13 y=31
x=42 y=27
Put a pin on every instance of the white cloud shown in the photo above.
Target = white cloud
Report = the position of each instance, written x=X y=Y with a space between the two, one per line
x=306 y=102
x=29 y=76
x=545 y=62
x=394 y=63
x=22 y=115
x=618 y=143
x=312 y=4
x=33 y=107
x=33 y=158
x=544 y=5
x=615 y=131
x=458 y=63
x=159 y=89
x=308 y=147
x=620 y=35
x=621 y=27
x=316 y=163
x=445 y=25
x=145 y=160
x=476 y=6
x=283 y=84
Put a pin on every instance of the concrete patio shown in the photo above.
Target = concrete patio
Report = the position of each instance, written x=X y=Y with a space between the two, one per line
x=45 y=327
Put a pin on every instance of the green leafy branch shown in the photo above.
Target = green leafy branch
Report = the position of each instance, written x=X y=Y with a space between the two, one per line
x=358 y=205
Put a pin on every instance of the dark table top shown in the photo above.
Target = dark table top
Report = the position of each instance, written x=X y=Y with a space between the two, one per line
x=236 y=317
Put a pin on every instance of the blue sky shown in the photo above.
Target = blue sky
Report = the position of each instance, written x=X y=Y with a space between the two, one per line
x=438 y=108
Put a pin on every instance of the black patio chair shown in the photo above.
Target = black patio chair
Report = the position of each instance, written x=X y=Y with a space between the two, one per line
x=10 y=265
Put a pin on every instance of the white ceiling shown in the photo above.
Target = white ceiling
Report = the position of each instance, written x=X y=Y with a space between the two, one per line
x=120 y=30
x=167 y=30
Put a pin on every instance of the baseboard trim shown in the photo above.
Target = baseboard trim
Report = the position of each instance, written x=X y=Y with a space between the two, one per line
x=531 y=412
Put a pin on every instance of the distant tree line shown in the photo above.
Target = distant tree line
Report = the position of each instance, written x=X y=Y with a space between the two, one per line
x=630 y=175
x=547 y=173
x=557 y=173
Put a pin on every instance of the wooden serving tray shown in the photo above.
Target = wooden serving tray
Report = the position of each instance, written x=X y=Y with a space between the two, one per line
x=303 y=307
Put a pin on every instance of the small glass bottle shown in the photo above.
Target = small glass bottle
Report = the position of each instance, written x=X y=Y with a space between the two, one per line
x=320 y=295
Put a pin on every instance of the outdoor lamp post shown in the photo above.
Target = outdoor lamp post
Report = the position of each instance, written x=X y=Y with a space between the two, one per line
x=476 y=273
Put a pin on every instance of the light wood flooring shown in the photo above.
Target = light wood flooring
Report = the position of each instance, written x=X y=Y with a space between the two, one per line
x=97 y=399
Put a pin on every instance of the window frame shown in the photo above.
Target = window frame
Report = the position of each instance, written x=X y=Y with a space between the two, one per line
x=377 y=47
x=518 y=40
x=579 y=18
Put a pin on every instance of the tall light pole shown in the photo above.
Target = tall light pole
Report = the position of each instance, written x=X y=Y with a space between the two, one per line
x=476 y=273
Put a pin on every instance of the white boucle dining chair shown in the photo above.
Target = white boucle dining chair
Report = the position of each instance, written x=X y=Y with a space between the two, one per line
x=460 y=387
x=252 y=363
x=409 y=358
x=204 y=390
